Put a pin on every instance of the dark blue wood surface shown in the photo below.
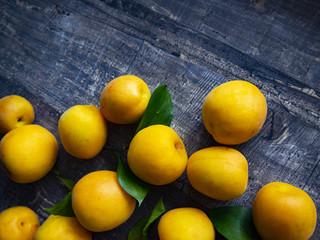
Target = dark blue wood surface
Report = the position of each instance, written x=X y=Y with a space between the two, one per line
x=61 y=53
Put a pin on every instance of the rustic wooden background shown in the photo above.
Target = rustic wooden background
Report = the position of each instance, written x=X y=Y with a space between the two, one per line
x=61 y=53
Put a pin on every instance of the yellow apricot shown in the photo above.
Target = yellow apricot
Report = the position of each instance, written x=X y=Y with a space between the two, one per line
x=234 y=112
x=282 y=211
x=218 y=172
x=124 y=99
x=185 y=224
x=157 y=155
x=99 y=202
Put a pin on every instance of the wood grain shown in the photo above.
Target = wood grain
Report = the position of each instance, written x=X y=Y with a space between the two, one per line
x=61 y=54
x=282 y=34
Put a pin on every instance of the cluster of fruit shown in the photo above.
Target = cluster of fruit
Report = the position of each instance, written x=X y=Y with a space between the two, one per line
x=232 y=113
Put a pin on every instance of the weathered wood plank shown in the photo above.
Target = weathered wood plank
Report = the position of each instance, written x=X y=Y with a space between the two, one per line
x=58 y=55
x=282 y=34
x=87 y=56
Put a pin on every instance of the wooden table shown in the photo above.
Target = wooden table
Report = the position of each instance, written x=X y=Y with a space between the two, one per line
x=62 y=53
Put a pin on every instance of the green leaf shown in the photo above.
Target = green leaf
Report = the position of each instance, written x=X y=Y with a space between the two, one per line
x=130 y=183
x=115 y=149
x=159 y=109
x=157 y=211
x=67 y=182
x=137 y=230
x=234 y=223
x=63 y=208
x=55 y=171
x=141 y=228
